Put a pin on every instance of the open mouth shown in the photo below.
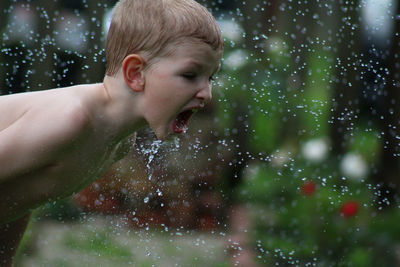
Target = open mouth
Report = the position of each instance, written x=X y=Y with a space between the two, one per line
x=180 y=122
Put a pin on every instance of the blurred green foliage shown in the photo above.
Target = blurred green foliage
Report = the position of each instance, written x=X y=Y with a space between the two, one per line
x=291 y=228
x=99 y=243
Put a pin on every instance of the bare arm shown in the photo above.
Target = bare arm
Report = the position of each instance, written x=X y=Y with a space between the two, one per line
x=35 y=140
x=28 y=148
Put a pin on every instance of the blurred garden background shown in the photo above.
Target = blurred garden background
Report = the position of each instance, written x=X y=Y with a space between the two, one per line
x=294 y=163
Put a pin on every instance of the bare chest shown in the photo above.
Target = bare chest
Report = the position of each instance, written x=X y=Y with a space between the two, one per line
x=89 y=161
x=77 y=170
x=68 y=175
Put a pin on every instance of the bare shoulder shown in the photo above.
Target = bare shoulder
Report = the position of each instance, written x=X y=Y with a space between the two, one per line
x=64 y=117
x=42 y=133
x=69 y=121
x=50 y=107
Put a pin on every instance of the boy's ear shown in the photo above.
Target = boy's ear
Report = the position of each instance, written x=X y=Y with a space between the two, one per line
x=132 y=68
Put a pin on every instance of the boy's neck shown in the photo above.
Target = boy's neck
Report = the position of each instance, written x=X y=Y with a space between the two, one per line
x=121 y=108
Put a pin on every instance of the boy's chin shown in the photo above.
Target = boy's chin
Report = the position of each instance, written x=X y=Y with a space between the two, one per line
x=162 y=135
x=167 y=134
x=170 y=136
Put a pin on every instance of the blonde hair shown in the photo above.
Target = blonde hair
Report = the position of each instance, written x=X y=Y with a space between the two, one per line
x=151 y=27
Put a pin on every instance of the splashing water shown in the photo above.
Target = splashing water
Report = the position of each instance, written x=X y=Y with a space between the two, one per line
x=280 y=97
x=154 y=150
x=172 y=145
x=150 y=154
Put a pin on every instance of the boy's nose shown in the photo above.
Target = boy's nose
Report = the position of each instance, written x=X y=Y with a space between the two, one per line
x=204 y=94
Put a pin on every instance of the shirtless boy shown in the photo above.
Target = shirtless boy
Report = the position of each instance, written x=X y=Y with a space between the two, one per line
x=161 y=56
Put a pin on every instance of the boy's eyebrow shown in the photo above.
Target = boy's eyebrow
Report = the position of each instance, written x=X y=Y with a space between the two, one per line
x=203 y=66
x=196 y=64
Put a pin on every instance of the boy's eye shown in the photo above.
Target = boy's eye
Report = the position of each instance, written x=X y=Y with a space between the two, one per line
x=189 y=76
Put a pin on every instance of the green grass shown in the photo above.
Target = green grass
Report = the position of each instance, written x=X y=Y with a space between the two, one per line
x=98 y=243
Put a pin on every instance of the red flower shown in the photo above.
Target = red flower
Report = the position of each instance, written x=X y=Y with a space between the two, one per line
x=349 y=209
x=308 y=188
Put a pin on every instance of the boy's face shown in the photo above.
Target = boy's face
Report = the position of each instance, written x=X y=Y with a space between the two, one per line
x=177 y=85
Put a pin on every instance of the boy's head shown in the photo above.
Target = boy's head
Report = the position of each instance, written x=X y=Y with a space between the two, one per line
x=153 y=28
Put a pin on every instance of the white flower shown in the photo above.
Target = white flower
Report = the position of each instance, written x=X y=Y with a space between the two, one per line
x=280 y=158
x=354 y=166
x=231 y=30
x=251 y=171
x=22 y=24
x=235 y=59
x=274 y=44
x=71 y=32
x=315 y=150
x=378 y=17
